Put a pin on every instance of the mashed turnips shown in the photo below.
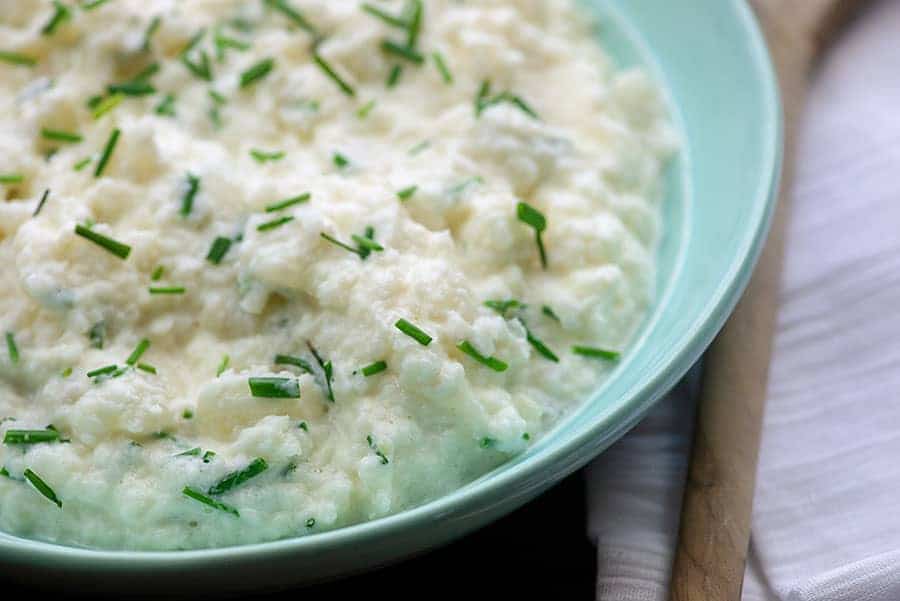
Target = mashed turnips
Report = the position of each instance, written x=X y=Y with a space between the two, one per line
x=273 y=267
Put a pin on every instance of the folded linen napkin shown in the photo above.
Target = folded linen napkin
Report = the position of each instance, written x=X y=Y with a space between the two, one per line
x=826 y=523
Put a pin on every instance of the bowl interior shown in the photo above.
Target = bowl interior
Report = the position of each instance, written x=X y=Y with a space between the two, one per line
x=710 y=58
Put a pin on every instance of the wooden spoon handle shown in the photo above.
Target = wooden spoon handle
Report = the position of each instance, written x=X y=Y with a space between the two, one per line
x=715 y=519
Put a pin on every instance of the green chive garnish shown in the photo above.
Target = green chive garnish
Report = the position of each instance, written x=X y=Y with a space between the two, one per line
x=66 y=372
x=11 y=178
x=60 y=15
x=107 y=152
x=413 y=332
x=295 y=361
x=262 y=156
x=107 y=104
x=151 y=29
x=274 y=388
x=30 y=436
x=596 y=353
x=327 y=370
x=117 y=248
x=14 y=58
x=441 y=65
x=132 y=88
x=147 y=368
x=82 y=163
x=157 y=273
x=60 y=136
x=310 y=522
x=303 y=426
x=492 y=362
x=223 y=43
x=409 y=54
x=367 y=245
x=42 y=487
x=271 y=225
x=223 y=365
x=218 y=250
x=257 y=72
x=407 y=193
x=345 y=87
x=103 y=371
x=288 y=202
x=187 y=201
x=199 y=496
x=293 y=14
x=529 y=215
x=394 y=75
x=167 y=290
x=484 y=100
x=374 y=368
x=487 y=443
x=381 y=456
x=414 y=12
x=504 y=306
x=11 y=347
x=235 y=479
x=92 y=4
x=384 y=16
x=546 y=310
x=166 y=107
x=97 y=334
x=138 y=352
x=365 y=109
x=340 y=161
x=202 y=69
x=538 y=345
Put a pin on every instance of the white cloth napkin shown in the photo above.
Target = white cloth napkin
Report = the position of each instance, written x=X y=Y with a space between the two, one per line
x=826 y=523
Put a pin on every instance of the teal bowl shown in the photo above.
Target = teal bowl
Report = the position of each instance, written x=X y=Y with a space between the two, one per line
x=711 y=58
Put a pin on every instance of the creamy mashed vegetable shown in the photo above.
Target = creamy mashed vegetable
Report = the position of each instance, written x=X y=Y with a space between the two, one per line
x=278 y=287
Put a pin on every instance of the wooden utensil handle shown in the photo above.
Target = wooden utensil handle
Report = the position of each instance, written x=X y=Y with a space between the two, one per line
x=715 y=519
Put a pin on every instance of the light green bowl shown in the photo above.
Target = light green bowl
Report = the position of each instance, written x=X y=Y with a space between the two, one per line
x=710 y=56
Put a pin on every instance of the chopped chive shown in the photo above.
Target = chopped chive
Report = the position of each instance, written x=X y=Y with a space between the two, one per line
x=394 y=75
x=187 y=414
x=82 y=163
x=217 y=98
x=295 y=361
x=384 y=16
x=107 y=152
x=147 y=72
x=41 y=203
x=303 y=426
x=187 y=201
x=413 y=332
x=195 y=452
x=117 y=248
x=151 y=29
x=345 y=87
x=103 y=371
x=538 y=345
x=60 y=15
x=381 y=456
x=147 y=368
x=236 y=478
x=340 y=161
x=484 y=101
x=418 y=148
x=310 y=522
x=223 y=43
x=14 y=58
x=167 y=289
x=97 y=334
x=166 y=107
x=30 y=436
x=257 y=72
x=192 y=43
x=11 y=178
x=42 y=487
x=132 y=88
x=293 y=14
x=337 y=242
x=487 y=442
x=223 y=365
x=374 y=368
x=414 y=11
x=262 y=156
x=92 y=4
x=404 y=52
x=288 y=202
x=271 y=225
x=526 y=436
x=138 y=352
x=503 y=306
x=407 y=193
x=596 y=353
x=218 y=250
x=60 y=136
x=157 y=273
x=66 y=372
x=327 y=370
x=12 y=348
x=461 y=187
x=442 y=68
x=274 y=388
x=202 y=69
x=529 y=215
x=199 y=496
x=367 y=244
x=546 y=310
x=104 y=105
x=492 y=362
x=365 y=109
x=208 y=456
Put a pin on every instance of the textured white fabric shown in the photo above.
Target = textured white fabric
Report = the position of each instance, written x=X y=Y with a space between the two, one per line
x=826 y=524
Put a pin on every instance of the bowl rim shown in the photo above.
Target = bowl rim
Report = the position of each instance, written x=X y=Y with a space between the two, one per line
x=625 y=415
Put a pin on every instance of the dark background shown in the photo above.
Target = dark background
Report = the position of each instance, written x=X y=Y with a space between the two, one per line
x=540 y=550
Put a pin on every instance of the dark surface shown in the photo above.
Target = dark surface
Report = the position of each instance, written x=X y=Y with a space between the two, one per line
x=541 y=550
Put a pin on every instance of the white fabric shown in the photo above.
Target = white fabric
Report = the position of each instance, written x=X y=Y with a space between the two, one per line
x=826 y=524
